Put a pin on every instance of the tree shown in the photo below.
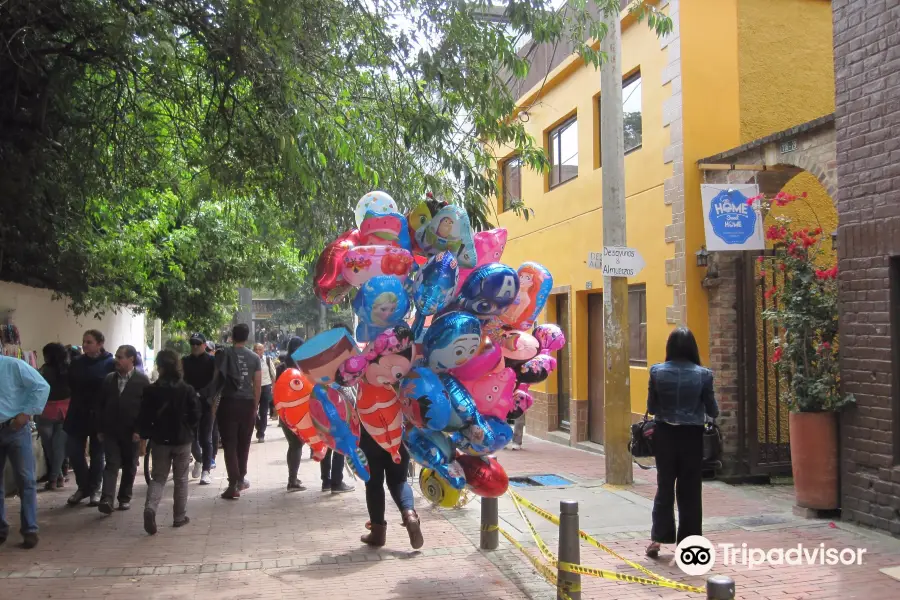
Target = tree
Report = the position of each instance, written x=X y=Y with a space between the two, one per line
x=157 y=152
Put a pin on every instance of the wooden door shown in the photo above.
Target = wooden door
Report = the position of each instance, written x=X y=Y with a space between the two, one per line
x=595 y=368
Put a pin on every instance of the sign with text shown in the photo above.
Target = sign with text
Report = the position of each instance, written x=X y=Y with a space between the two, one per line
x=619 y=261
x=595 y=260
x=729 y=222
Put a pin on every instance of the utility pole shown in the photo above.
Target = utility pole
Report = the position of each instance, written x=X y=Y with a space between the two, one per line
x=617 y=383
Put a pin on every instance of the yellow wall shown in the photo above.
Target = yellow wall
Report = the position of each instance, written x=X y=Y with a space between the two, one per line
x=711 y=109
x=815 y=210
x=786 y=64
x=567 y=224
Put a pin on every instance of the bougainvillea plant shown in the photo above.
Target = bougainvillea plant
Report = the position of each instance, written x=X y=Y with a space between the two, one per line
x=803 y=309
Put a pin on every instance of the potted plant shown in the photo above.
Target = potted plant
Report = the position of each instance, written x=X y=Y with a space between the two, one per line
x=804 y=312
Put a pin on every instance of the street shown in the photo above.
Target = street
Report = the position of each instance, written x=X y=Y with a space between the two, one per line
x=272 y=544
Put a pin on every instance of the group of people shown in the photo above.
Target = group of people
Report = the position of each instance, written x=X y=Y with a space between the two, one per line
x=101 y=405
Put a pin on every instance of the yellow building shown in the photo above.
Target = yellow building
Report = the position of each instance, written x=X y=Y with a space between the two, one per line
x=732 y=72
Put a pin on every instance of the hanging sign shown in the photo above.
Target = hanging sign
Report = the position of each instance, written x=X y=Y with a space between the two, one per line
x=730 y=223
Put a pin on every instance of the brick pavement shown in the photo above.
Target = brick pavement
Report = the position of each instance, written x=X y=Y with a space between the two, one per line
x=272 y=544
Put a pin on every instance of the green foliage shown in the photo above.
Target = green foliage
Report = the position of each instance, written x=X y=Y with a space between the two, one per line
x=157 y=153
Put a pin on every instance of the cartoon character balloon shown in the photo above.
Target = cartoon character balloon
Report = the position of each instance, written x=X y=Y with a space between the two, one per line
x=465 y=417
x=433 y=450
x=433 y=288
x=493 y=393
x=453 y=339
x=488 y=291
x=449 y=230
x=535 y=283
x=436 y=490
x=502 y=435
x=421 y=216
x=486 y=360
x=489 y=246
x=550 y=337
x=484 y=475
x=374 y=202
x=362 y=263
x=380 y=303
x=424 y=401
x=291 y=397
x=328 y=284
x=384 y=230
x=334 y=416
x=518 y=347
x=322 y=355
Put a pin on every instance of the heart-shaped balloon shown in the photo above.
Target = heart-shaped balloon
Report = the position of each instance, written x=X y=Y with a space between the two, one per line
x=484 y=475
x=535 y=284
x=329 y=284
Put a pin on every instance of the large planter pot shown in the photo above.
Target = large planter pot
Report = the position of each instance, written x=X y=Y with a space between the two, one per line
x=814 y=459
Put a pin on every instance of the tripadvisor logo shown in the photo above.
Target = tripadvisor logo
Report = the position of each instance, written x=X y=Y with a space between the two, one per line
x=696 y=555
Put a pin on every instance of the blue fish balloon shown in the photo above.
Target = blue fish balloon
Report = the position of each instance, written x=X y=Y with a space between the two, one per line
x=433 y=450
x=488 y=290
x=339 y=422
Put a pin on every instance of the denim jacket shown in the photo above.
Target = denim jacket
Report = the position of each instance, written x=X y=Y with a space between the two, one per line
x=681 y=393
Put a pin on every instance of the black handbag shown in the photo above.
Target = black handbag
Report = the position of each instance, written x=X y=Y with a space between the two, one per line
x=641 y=443
x=712 y=442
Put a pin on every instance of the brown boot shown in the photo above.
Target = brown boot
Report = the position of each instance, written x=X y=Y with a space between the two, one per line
x=376 y=537
x=413 y=528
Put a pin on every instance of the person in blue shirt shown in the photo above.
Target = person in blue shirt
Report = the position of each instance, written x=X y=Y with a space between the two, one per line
x=23 y=394
x=680 y=397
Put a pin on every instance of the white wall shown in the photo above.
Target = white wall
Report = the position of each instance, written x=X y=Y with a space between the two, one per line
x=41 y=320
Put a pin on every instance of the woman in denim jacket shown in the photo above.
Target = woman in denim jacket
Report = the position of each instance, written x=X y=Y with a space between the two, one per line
x=680 y=398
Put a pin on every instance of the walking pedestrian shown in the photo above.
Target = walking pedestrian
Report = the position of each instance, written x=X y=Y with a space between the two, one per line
x=170 y=414
x=518 y=432
x=382 y=468
x=123 y=391
x=295 y=444
x=267 y=372
x=50 y=424
x=238 y=379
x=86 y=377
x=23 y=394
x=199 y=367
x=680 y=398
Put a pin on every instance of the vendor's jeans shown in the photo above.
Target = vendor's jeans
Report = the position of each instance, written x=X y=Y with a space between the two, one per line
x=53 y=440
x=16 y=445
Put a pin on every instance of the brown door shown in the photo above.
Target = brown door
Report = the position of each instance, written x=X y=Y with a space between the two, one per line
x=595 y=367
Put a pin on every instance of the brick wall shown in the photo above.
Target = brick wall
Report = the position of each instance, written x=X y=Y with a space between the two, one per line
x=867 y=82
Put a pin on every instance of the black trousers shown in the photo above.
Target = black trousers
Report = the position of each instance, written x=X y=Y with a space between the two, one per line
x=120 y=455
x=332 y=468
x=382 y=468
x=294 y=451
x=265 y=404
x=679 y=466
x=236 y=419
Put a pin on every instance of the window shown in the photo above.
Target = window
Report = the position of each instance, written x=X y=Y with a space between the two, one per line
x=632 y=125
x=511 y=182
x=564 y=153
x=637 y=325
x=631 y=112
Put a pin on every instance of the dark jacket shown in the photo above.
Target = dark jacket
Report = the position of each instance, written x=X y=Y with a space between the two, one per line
x=198 y=373
x=681 y=393
x=119 y=411
x=170 y=413
x=60 y=394
x=86 y=376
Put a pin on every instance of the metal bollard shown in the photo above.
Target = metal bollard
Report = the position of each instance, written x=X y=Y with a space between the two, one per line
x=490 y=519
x=569 y=584
x=720 y=587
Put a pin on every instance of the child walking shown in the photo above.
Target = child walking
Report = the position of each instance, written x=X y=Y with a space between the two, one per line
x=170 y=413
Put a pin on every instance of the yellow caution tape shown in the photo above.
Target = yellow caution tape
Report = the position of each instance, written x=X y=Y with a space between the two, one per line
x=656 y=580
x=545 y=550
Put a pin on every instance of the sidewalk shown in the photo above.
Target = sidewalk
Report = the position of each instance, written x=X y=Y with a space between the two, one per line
x=271 y=544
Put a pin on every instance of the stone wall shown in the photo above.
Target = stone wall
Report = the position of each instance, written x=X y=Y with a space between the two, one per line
x=867 y=81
